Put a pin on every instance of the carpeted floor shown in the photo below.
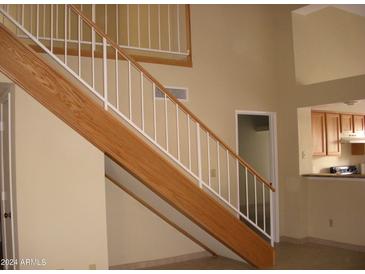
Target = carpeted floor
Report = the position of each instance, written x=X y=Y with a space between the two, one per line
x=288 y=256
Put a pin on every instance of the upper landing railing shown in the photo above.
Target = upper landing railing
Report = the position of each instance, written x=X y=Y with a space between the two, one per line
x=147 y=32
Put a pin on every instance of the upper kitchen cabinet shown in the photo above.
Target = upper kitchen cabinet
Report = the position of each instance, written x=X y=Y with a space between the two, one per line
x=347 y=123
x=359 y=124
x=333 y=133
x=319 y=133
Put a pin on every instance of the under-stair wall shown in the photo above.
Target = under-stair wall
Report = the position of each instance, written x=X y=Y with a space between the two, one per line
x=137 y=234
x=59 y=189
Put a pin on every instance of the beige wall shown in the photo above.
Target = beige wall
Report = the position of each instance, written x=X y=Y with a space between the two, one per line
x=339 y=201
x=305 y=140
x=135 y=234
x=328 y=45
x=301 y=199
x=60 y=191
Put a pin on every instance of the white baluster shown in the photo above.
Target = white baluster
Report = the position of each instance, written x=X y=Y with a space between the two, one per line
x=93 y=47
x=178 y=132
x=178 y=26
x=238 y=186
x=105 y=70
x=189 y=142
x=166 y=125
x=168 y=26
x=57 y=21
x=51 y=6
x=199 y=154
x=117 y=21
x=79 y=41
x=117 y=76
x=139 y=27
x=247 y=202
x=37 y=23
x=128 y=39
x=219 y=169
x=228 y=178
x=65 y=34
x=159 y=26
x=208 y=151
x=106 y=18
x=130 y=90
x=81 y=30
x=255 y=187
x=142 y=103
x=149 y=26
x=44 y=20
x=31 y=18
x=263 y=206
x=23 y=15
x=154 y=110
x=271 y=219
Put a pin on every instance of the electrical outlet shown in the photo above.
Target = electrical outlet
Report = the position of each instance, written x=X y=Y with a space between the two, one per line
x=330 y=222
x=213 y=173
x=92 y=266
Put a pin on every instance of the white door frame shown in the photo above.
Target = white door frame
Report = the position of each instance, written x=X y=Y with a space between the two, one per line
x=274 y=161
x=7 y=96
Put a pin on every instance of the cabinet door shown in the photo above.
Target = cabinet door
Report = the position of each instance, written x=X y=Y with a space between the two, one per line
x=359 y=124
x=346 y=123
x=319 y=133
x=333 y=134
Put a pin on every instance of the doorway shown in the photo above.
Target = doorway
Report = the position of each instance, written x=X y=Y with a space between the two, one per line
x=256 y=143
x=6 y=181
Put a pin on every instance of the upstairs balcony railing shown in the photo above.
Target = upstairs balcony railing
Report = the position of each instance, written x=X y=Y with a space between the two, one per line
x=149 y=33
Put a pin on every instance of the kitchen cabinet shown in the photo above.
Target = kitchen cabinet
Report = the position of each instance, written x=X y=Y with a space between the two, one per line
x=359 y=124
x=347 y=123
x=333 y=134
x=319 y=133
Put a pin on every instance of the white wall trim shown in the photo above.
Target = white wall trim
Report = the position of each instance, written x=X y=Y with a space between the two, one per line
x=274 y=160
x=8 y=95
x=314 y=240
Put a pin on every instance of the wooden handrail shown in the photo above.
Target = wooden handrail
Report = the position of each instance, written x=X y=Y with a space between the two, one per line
x=168 y=94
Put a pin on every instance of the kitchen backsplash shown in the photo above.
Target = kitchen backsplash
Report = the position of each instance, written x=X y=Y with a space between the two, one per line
x=321 y=164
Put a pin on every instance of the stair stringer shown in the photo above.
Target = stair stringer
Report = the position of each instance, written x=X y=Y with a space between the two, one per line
x=126 y=180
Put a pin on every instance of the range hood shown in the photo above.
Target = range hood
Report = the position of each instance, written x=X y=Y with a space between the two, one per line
x=353 y=138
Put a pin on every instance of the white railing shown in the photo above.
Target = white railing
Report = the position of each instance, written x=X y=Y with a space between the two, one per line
x=127 y=90
x=122 y=23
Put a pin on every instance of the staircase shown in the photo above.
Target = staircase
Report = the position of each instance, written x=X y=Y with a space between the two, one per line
x=110 y=99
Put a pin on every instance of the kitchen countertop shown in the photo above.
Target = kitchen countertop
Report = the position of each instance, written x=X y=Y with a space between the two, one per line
x=334 y=175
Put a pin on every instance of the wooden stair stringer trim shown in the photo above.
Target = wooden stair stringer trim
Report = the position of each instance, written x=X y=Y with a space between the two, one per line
x=78 y=110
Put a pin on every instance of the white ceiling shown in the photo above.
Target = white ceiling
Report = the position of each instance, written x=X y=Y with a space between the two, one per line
x=356 y=9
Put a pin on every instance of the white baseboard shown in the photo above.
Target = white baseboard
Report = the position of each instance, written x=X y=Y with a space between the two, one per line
x=319 y=241
x=164 y=261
